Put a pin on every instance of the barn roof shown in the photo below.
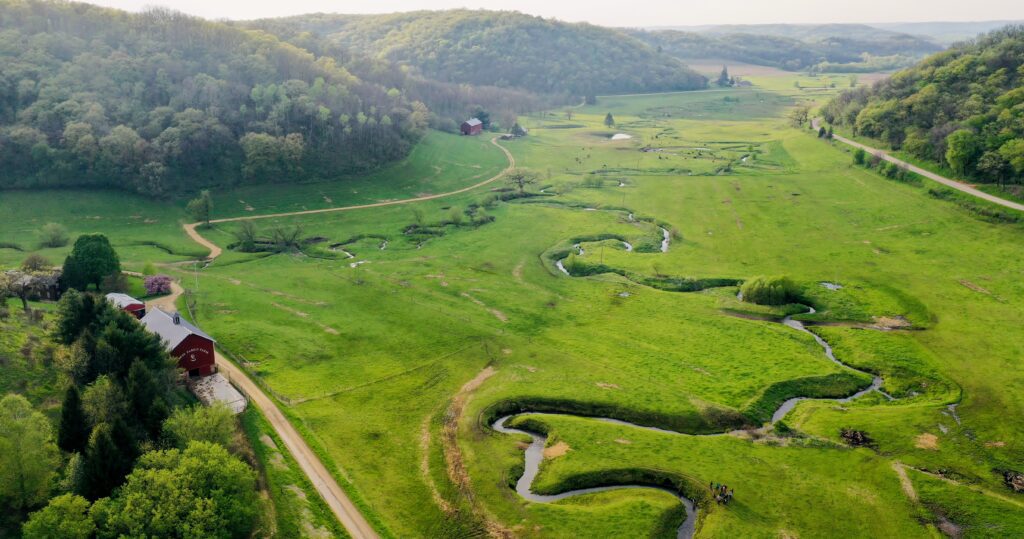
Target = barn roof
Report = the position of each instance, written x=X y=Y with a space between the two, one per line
x=473 y=122
x=122 y=300
x=173 y=334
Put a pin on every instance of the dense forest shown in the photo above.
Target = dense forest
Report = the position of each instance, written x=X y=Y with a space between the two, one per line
x=161 y=102
x=963 y=107
x=449 y=102
x=506 y=49
x=794 y=47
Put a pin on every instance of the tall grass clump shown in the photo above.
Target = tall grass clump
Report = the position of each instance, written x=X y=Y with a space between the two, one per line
x=777 y=290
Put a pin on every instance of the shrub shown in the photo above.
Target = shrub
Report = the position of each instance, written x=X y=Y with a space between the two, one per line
x=149 y=269
x=53 y=235
x=157 y=284
x=778 y=290
x=35 y=262
x=859 y=156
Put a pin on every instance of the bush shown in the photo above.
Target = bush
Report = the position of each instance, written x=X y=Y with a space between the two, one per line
x=778 y=290
x=53 y=235
x=859 y=156
x=149 y=269
x=35 y=262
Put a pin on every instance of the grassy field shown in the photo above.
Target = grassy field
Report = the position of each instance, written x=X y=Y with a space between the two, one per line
x=392 y=361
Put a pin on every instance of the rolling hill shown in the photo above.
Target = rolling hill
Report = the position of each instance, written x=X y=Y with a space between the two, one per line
x=504 y=49
x=161 y=103
x=789 y=46
x=962 y=108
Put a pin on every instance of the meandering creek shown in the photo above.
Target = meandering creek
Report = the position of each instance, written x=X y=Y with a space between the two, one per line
x=534 y=453
x=534 y=456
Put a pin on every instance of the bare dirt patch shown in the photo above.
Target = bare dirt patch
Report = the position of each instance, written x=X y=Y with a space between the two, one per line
x=454 y=462
x=928 y=441
x=606 y=385
x=277 y=461
x=557 y=450
x=908 y=487
x=891 y=322
x=995 y=444
x=623 y=441
x=976 y=288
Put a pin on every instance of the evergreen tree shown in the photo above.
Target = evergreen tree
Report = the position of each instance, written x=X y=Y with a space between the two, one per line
x=73 y=432
x=723 y=78
x=609 y=120
x=144 y=399
x=105 y=464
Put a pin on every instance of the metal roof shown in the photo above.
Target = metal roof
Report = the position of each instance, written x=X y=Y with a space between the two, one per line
x=122 y=300
x=474 y=122
x=163 y=325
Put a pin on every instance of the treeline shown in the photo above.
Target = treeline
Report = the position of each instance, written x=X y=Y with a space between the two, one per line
x=508 y=50
x=449 y=103
x=161 y=102
x=125 y=459
x=963 y=108
x=814 y=52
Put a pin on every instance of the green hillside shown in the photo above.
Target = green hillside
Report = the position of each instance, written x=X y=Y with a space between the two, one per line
x=507 y=49
x=963 y=108
x=161 y=102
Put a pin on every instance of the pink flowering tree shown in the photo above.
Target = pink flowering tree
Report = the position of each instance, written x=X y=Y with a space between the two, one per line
x=157 y=284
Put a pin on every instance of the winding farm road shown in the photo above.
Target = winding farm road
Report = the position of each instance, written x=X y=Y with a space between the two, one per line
x=346 y=512
x=959 y=186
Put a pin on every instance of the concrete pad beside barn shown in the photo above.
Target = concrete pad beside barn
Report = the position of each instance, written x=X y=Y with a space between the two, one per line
x=217 y=388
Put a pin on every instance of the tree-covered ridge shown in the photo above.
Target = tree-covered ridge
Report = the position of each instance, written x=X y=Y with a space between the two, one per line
x=963 y=107
x=508 y=49
x=792 y=50
x=161 y=102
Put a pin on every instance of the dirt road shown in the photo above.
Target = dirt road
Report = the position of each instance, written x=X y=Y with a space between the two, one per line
x=494 y=141
x=959 y=186
x=342 y=507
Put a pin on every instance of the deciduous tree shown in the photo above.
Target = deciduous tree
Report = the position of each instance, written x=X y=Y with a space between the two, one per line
x=28 y=456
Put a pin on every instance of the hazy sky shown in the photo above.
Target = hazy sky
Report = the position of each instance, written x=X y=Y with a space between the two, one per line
x=625 y=12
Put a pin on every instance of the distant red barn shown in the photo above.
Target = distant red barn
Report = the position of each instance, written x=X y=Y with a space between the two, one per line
x=472 y=126
x=188 y=344
x=128 y=304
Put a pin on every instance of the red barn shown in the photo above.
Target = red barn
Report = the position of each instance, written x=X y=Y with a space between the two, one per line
x=188 y=344
x=472 y=126
x=128 y=304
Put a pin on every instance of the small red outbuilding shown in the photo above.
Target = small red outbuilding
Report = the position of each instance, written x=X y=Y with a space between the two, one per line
x=188 y=344
x=128 y=304
x=472 y=126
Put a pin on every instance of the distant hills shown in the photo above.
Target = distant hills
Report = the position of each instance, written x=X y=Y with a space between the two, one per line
x=946 y=33
x=829 y=47
x=503 y=49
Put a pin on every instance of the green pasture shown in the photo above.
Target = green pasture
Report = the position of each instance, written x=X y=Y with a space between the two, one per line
x=366 y=354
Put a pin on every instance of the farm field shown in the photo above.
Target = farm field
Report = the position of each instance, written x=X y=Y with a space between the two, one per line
x=400 y=333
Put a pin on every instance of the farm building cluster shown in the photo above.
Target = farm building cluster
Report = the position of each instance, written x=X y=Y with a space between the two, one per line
x=192 y=348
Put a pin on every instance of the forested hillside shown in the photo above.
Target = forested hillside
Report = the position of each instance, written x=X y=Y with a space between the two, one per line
x=855 y=47
x=160 y=102
x=507 y=49
x=963 y=107
x=450 y=103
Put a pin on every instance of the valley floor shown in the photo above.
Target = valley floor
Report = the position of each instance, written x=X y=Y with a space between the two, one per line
x=394 y=340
